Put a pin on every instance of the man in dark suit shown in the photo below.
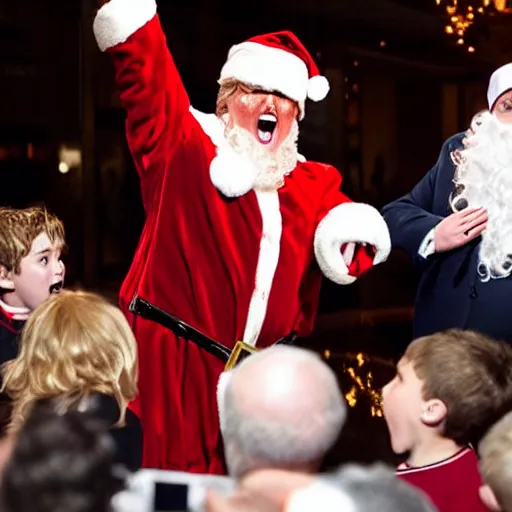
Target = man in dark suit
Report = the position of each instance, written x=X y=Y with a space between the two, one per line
x=456 y=224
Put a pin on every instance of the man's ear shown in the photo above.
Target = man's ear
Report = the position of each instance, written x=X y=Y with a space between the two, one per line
x=6 y=282
x=433 y=412
x=489 y=499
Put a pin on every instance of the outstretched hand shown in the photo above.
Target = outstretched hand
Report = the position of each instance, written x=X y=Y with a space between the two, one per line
x=459 y=228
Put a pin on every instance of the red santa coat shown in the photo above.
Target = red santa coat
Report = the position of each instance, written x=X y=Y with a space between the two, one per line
x=234 y=268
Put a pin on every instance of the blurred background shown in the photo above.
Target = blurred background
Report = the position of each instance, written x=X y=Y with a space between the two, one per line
x=404 y=74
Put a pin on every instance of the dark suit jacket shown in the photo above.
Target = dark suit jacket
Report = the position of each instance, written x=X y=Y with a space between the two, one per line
x=450 y=293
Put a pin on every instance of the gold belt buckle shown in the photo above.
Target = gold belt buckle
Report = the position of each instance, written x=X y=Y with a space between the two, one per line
x=240 y=351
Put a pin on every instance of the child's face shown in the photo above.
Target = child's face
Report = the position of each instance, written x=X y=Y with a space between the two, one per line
x=403 y=405
x=41 y=274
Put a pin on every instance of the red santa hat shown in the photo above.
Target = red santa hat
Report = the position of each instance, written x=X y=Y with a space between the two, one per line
x=500 y=83
x=276 y=62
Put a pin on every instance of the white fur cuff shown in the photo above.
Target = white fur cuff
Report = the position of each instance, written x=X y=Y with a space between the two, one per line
x=117 y=20
x=344 y=224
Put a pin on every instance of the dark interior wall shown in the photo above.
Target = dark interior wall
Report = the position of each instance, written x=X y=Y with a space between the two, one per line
x=419 y=129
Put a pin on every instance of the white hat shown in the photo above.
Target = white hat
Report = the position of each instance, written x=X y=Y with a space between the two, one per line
x=500 y=82
x=276 y=62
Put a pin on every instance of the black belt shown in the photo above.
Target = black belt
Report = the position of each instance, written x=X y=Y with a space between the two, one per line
x=230 y=357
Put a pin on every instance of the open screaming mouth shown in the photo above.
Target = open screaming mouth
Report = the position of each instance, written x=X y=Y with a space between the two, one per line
x=56 y=287
x=266 y=125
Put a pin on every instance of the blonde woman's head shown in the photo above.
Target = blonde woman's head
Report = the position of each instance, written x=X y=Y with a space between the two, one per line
x=73 y=345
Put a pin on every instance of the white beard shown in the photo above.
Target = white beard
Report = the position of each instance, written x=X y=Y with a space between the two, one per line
x=483 y=178
x=271 y=167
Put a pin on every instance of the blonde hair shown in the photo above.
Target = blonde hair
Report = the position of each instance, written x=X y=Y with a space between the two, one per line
x=227 y=89
x=73 y=345
x=20 y=227
x=496 y=461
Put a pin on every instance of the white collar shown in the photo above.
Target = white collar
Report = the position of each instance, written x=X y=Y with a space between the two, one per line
x=17 y=312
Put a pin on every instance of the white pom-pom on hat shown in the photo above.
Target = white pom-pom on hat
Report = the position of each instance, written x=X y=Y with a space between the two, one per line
x=318 y=88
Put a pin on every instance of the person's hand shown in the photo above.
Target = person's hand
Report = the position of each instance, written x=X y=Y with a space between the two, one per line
x=459 y=228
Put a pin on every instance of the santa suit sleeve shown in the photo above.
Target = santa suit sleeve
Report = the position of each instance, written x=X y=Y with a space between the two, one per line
x=350 y=237
x=150 y=87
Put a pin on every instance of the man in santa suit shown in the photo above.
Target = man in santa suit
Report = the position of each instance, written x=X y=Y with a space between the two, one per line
x=456 y=224
x=238 y=224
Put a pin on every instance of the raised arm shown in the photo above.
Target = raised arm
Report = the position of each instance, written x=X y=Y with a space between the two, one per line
x=151 y=89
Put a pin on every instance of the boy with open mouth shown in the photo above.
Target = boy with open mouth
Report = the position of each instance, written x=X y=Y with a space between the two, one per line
x=31 y=269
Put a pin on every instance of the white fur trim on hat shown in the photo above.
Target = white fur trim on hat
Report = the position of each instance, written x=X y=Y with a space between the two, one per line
x=319 y=496
x=117 y=20
x=272 y=69
x=345 y=224
x=318 y=88
x=500 y=82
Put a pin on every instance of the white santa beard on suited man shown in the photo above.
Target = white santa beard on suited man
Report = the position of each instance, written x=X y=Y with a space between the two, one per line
x=271 y=166
x=484 y=179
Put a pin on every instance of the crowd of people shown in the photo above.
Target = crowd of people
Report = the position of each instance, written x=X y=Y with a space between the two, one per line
x=191 y=394
x=71 y=442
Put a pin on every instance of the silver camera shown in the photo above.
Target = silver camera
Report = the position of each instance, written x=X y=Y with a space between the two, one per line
x=151 y=490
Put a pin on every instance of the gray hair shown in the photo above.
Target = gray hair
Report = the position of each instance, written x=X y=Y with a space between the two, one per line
x=255 y=440
x=377 y=488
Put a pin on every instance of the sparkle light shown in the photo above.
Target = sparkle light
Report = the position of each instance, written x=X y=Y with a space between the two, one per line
x=503 y=6
x=462 y=14
x=69 y=158
x=63 y=167
x=362 y=383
